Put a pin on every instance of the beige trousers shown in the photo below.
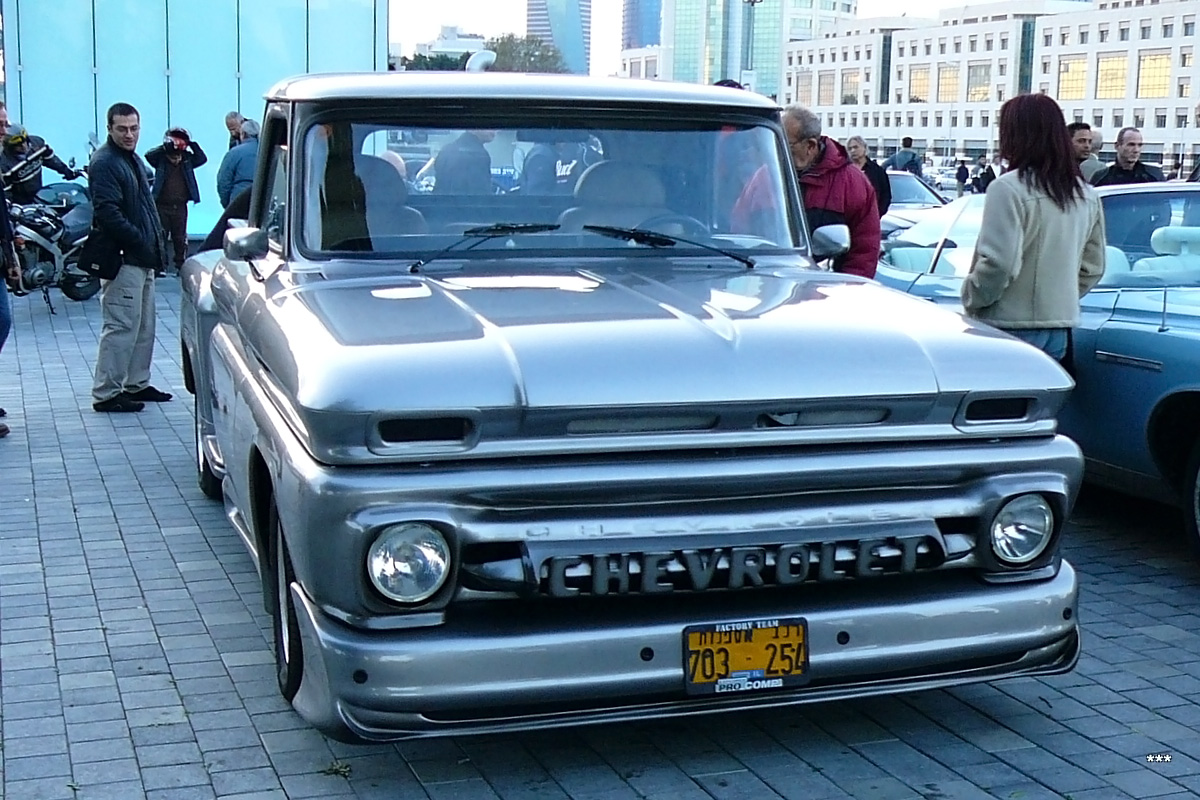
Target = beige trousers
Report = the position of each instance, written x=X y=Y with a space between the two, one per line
x=127 y=338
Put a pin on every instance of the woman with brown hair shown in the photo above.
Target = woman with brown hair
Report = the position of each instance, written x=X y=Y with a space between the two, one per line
x=1041 y=244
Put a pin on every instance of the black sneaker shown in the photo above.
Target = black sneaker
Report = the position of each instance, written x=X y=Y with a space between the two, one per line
x=122 y=403
x=149 y=395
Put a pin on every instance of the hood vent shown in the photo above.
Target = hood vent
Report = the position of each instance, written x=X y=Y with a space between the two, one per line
x=999 y=409
x=443 y=430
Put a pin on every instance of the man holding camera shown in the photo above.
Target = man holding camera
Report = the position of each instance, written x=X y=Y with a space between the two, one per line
x=174 y=163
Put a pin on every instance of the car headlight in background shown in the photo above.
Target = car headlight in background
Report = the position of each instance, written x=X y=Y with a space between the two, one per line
x=1022 y=528
x=409 y=562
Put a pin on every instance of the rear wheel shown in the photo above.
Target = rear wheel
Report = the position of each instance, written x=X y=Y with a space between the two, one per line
x=209 y=483
x=289 y=654
x=1191 y=499
x=79 y=287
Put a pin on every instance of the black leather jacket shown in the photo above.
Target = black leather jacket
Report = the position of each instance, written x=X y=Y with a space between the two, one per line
x=123 y=207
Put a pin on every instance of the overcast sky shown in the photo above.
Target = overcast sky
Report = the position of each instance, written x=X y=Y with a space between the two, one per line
x=414 y=21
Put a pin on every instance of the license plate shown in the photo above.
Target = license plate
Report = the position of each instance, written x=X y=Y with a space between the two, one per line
x=748 y=656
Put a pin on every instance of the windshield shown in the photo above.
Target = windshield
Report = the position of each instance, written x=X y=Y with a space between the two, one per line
x=954 y=227
x=401 y=189
x=1153 y=238
x=909 y=190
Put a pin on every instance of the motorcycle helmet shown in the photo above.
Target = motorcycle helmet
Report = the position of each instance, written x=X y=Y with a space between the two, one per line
x=15 y=136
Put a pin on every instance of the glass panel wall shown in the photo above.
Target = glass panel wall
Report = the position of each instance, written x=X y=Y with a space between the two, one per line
x=1072 y=78
x=1110 y=77
x=918 y=85
x=1154 y=75
x=180 y=62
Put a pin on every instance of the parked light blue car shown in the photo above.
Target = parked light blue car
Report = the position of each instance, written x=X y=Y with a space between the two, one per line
x=1135 y=410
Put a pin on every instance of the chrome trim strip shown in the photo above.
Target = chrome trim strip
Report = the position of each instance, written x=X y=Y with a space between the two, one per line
x=1129 y=361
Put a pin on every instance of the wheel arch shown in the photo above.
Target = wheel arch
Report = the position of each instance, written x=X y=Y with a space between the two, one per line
x=262 y=496
x=1173 y=431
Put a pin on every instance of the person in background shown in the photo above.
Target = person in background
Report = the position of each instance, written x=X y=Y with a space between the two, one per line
x=233 y=124
x=1128 y=168
x=12 y=271
x=835 y=192
x=125 y=214
x=1041 y=241
x=905 y=158
x=1081 y=143
x=961 y=176
x=985 y=175
x=174 y=163
x=26 y=182
x=1093 y=164
x=237 y=168
x=856 y=147
x=464 y=166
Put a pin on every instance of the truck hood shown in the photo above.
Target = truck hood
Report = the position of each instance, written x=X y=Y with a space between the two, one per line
x=494 y=338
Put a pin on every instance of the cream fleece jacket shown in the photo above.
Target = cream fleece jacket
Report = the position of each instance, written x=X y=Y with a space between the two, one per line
x=1033 y=261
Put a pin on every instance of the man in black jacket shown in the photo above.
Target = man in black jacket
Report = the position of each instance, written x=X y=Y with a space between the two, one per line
x=174 y=162
x=1128 y=168
x=124 y=213
x=26 y=181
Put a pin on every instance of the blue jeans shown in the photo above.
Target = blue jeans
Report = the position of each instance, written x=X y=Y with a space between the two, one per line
x=1051 y=341
x=5 y=313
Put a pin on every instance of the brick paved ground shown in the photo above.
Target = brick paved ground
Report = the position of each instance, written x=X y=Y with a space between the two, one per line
x=134 y=660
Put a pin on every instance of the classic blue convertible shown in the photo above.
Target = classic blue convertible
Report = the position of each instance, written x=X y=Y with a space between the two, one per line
x=1135 y=410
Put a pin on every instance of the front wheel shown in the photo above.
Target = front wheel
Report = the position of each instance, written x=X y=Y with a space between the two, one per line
x=209 y=483
x=289 y=653
x=1191 y=499
x=79 y=287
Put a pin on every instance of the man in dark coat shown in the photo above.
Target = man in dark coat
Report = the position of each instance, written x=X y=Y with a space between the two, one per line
x=464 y=166
x=124 y=214
x=26 y=182
x=1128 y=168
x=174 y=163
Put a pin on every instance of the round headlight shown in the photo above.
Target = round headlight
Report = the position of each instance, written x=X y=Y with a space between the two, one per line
x=1022 y=529
x=408 y=563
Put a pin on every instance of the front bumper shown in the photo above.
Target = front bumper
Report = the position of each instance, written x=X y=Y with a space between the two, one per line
x=503 y=666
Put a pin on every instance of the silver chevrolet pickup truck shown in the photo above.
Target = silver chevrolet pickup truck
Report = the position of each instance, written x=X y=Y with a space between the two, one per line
x=533 y=407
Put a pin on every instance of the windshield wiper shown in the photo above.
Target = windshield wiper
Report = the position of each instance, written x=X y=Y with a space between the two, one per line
x=656 y=239
x=478 y=236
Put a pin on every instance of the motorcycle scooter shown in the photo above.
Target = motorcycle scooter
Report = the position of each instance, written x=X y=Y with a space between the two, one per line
x=48 y=236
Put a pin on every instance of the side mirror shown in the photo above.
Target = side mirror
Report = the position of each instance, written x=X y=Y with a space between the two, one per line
x=245 y=244
x=830 y=241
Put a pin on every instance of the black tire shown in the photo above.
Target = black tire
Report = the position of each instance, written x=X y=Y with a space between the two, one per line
x=289 y=652
x=79 y=287
x=1191 y=499
x=209 y=483
x=189 y=378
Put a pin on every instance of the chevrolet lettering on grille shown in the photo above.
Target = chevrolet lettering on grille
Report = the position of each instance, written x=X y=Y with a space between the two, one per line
x=703 y=569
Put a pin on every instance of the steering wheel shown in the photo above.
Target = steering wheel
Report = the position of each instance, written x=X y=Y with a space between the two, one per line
x=692 y=227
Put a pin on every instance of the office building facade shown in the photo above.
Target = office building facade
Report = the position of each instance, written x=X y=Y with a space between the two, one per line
x=641 y=24
x=1109 y=63
x=704 y=41
x=566 y=24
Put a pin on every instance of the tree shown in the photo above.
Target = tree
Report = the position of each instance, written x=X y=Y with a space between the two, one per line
x=440 y=61
x=528 y=54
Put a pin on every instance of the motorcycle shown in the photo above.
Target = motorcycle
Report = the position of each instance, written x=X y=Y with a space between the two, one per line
x=48 y=236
